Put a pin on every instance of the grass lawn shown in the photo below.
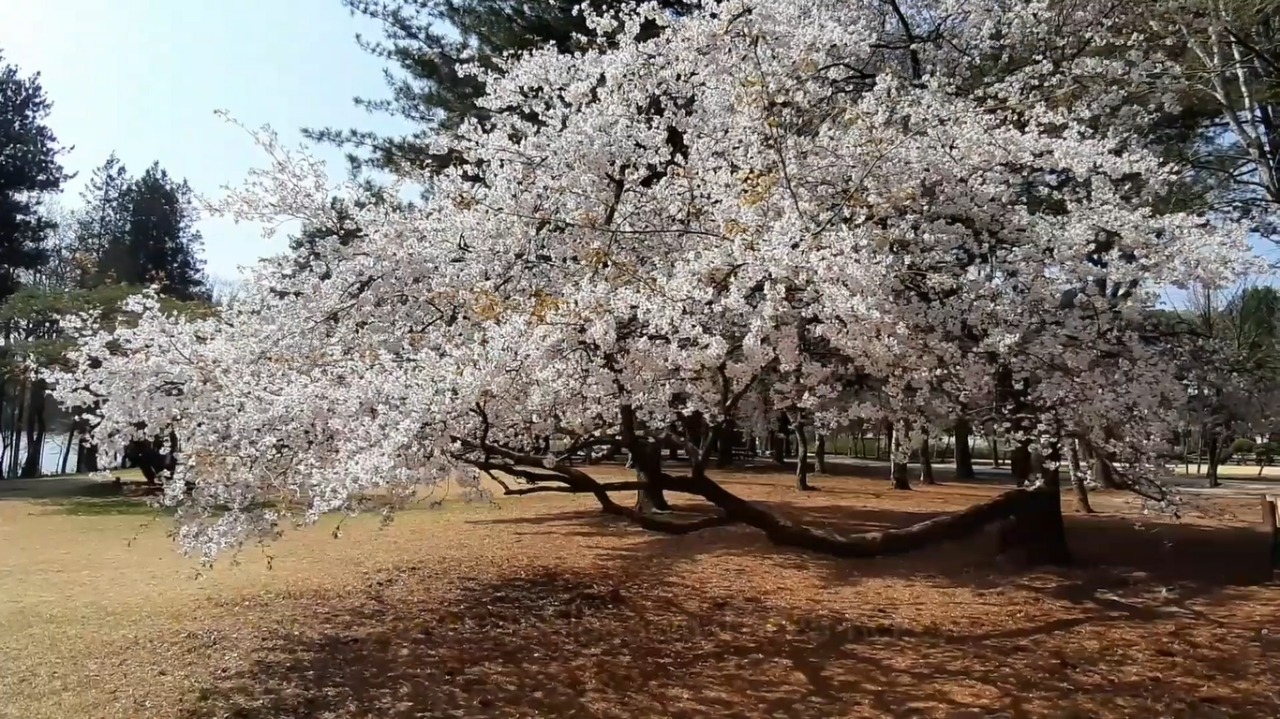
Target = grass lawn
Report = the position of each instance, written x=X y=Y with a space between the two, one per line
x=539 y=607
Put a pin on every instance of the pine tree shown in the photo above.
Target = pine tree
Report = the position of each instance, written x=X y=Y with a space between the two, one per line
x=30 y=172
x=103 y=221
x=160 y=245
x=428 y=42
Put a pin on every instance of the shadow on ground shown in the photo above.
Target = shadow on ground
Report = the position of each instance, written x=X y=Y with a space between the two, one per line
x=80 y=495
x=1163 y=622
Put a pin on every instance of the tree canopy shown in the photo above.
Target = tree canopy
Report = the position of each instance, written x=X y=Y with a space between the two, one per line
x=763 y=207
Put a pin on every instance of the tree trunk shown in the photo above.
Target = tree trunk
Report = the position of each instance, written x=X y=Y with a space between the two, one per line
x=964 y=454
x=897 y=468
x=926 y=463
x=648 y=466
x=1039 y=532
x=1020 y=462
x=1186 y=447
x=995 y=451
x=1214 y=455
x=33 y=467
x=802 y=458
x=66 y=451
x=86 y=457
x=19 y=414
x=820 y=454
x=1077 y=479
x=1200 y=450
x=724 y=450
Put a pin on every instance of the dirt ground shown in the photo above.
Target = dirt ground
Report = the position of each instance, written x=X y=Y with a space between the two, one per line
x=539 y=607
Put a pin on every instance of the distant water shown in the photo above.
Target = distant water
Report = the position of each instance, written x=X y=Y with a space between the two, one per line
x=50 y=459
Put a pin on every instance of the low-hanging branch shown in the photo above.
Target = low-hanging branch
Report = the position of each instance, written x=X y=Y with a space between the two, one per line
x=780 y=530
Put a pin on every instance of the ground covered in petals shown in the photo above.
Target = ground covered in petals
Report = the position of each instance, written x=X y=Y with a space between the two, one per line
x=538 y=606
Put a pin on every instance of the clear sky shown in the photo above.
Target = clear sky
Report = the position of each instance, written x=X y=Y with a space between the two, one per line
x=143 y=78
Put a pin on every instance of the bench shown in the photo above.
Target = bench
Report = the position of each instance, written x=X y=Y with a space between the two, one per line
x=1271 y=524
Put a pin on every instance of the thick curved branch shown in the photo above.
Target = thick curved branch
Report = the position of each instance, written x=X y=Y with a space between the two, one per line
x=578 y=482
x=951 y=527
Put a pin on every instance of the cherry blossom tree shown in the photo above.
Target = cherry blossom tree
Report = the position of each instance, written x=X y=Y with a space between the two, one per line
x=766 y=207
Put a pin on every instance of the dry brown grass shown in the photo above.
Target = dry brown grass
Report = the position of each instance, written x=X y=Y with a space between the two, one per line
x=540 y=607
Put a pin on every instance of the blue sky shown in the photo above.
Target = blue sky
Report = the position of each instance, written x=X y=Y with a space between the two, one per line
x=143 y=78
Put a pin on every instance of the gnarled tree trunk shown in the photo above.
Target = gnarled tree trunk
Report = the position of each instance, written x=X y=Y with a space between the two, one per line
x=648 y=466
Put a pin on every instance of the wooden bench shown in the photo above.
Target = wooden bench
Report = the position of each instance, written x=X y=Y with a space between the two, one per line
x=1271 y=524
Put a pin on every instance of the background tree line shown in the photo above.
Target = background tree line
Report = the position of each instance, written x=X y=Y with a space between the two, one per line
x=128 y=232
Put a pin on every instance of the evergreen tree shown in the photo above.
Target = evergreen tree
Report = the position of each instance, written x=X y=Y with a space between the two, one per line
x=428 y=42
x=30 y=172
x=160 y=245
x=103 y=221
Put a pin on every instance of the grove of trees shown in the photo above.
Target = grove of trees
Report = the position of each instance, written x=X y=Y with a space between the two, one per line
x=57 y=263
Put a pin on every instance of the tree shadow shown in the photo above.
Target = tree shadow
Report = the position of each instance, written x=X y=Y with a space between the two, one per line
x=624 y=641
x=1125 y=569
x=1158 y=619
x=81 y=496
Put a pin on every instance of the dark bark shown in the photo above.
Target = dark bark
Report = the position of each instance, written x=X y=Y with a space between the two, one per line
x=820 y=455
x=897 y=469
x=151 y=459
x=1037 y=529
x=86 y=457
x=995 y=451
x=964 y=452
x=1077 y=483
x=802 y=458
x=777 y=448
x=66 y=451
x=1215 y=458
x=15 y=432
x=1020 y=462
x=646 y=460
x=650 y=498
x=1106 y=475
x=31 y=466
x=1102 y=471
x=728 y=438
x=1033 y=529
x=926 y=463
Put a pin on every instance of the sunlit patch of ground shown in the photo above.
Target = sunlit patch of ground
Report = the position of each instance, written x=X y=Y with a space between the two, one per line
x=537 y=606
